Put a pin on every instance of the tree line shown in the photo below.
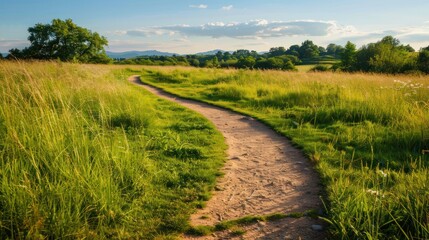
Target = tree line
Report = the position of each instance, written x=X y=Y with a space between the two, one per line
x=385 y=56
x=65 y=41
x=278 y=58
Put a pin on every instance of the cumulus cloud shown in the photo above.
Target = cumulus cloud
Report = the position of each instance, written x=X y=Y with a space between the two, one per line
x=325 y=31
x=200 y=6
x=227 y=8
x=258 y=29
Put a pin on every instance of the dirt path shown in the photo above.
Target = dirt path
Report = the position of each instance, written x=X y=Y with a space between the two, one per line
x=264 y=175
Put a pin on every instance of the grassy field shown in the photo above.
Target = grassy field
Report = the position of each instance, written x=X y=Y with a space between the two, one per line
x=368 y=135
x=85 y=154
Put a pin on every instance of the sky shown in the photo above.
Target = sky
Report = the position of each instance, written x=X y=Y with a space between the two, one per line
x=192 y=26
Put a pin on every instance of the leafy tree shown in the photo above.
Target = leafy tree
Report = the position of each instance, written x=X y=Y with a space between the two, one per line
x=15 y=53
x=322 y=50
x=335 y=50
x=241 y=53
x=215 y=62
x=308 y=50
x=195 y=62
x=277 y=51
x=423 y=60
x=226 y=56
x=293 y=50
x=219 y=55
x=389 y=59
x=66 y=41
x=246 y=62
x=348 y=57
x=389 y=40
x=386 y=56
x=1 y=56
x=407 y=48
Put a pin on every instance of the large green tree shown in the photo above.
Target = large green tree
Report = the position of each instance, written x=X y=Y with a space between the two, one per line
x=348 y=56
x=66 y=41
x=385 y=56
x=335 y=50
x=308 y=50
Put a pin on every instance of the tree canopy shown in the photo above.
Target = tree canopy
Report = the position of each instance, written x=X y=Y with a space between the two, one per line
x=64 y=40
x=423 y=60
x=384 y=56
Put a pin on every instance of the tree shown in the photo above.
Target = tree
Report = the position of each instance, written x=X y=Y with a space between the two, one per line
x=389 y=40
x=241 y=53
x=348 y=57
x=308 y=50
x=423 y=60
x=195 y=62
x=277 y=51
x=335 y=50
x=66 y=41
x=1 y=56
x=215 y=62
x=246 y=62
x=322 y=50
x=293 y=50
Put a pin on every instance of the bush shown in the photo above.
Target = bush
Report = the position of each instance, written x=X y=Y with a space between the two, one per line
x=319 y=68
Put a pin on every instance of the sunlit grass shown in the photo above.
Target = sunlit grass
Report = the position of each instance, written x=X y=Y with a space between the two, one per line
x=84 y=154
x=368 y=135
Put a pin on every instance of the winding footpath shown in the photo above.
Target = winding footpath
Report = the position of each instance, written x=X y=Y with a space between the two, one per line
x=264 y=174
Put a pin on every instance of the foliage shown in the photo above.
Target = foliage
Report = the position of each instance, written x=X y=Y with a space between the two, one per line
x=63 y=40
x=423 y=60
x=367 y=134
x=86 y=155
x=348 y=57
x=385 y=56
x=335 y=50
x=319 y=68
x=308 y=49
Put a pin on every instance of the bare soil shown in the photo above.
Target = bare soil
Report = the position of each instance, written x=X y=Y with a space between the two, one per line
x=264 y=174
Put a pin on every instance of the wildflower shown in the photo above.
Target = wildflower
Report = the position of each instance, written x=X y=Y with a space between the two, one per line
x=382 y=173
x=374 y=192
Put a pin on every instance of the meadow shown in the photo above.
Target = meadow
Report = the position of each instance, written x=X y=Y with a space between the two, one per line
x=367 y=134
x=85 y=154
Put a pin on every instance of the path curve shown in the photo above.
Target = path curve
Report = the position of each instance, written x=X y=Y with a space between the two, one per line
x=264 y=174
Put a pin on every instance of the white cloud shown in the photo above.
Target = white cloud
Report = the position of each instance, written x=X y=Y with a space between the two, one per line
x=227 y=8
x=258 y=29
x=281 y=33
x=6 y=45
x=201 y=6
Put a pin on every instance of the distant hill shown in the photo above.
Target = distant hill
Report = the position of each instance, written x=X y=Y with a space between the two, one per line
x=212 y=52
x=132 y=54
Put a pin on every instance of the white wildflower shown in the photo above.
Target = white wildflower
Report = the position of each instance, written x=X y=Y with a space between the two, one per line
x=382 y=173
x=374 y=192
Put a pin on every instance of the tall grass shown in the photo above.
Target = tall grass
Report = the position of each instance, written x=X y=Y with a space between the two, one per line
x=83 y=154
x=368 y=135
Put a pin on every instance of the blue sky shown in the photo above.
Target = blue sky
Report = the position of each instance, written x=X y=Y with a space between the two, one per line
x=190 y=26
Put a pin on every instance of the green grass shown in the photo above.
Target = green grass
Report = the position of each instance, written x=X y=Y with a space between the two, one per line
x=85 y=154
x=368 y=135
